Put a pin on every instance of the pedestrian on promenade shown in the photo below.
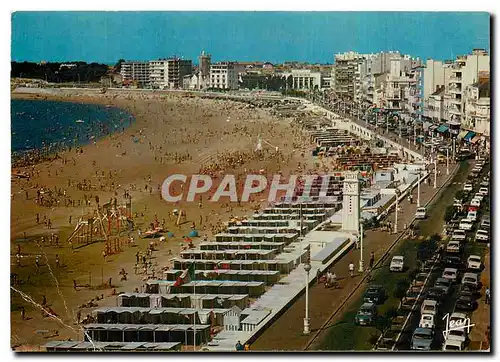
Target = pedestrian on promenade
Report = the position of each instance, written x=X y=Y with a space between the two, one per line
x=333 y=280
x=351 y=269
x=318 y=276
x=57 y=261
x=488 y=296
x=372 y=259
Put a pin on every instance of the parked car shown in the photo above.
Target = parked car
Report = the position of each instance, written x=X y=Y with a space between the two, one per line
x=453 y=345
x=471 y=279
x=452 y=261
x=459 y=234
x=421 y=213
x=465 y=302
x=366 y=315
x=374 y=294
x=429 y=307
x=419 y=279
x=422 y=339
x=484 y=184
x=454 y=246
x=451 y=274
x=397 y=263
x=427 y=321
x=479 y=197
x=482 y=236
x=484 y=191
x=468 y=187
x=474 y=262
x=469 y=290
x=411 y=297
x=485 y=222
x=436 y=293
x=465 y=224
x=444 y=284
x=472 y=216
x=475 y=202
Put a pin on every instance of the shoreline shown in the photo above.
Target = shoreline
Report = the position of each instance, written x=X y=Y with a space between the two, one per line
x=169 y=128
x=17 y=156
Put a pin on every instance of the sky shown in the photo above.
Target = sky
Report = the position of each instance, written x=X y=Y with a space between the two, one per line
x=313 y=37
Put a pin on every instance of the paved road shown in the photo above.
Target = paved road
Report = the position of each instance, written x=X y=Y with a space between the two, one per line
x=286 y=332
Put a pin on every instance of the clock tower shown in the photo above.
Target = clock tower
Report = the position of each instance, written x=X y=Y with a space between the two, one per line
x=351 y=203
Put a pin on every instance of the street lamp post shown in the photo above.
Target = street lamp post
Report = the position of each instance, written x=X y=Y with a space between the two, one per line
x=396 y=214
x=418 y=188
x=435 y=173
x=447 y=161
x=307 y=268
x=414 y=134
x=361 y=262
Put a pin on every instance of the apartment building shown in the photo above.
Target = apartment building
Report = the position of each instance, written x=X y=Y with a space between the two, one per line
x=347 y=75
x=477 y=107
x=135 y=73
x=223 y=75
x=169 y=73
x=464 y=72
x=401 y=90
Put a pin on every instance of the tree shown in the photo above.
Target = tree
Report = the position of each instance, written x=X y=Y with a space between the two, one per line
x=118 y=65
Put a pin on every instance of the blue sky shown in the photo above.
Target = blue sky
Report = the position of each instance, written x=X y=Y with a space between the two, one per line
x=245 y=36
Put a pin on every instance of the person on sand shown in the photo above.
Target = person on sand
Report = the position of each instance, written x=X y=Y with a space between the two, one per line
x=74 y=285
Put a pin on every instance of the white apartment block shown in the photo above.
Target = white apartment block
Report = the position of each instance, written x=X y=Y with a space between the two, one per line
x=169 y=73
x=401 y=90
x=464 y=72
x=477 y=107
x=223 y=75
x=135 y=72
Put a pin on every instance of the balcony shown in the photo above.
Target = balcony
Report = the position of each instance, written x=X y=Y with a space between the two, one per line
x=456 y=101
x=456 y=80
x=455 y=90
x=454 y=110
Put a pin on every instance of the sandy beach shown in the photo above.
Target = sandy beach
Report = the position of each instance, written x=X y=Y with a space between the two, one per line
x=172 y=134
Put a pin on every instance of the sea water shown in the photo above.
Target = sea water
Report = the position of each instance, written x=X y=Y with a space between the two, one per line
x=36 y=124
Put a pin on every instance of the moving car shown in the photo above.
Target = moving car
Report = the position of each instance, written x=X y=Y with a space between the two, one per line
x=422 y=339
x=397 y=263
x=366 y=315
x=468 y=187
x=450 y=274
x=421 y=213
x=374 y=294
x=474 y=262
